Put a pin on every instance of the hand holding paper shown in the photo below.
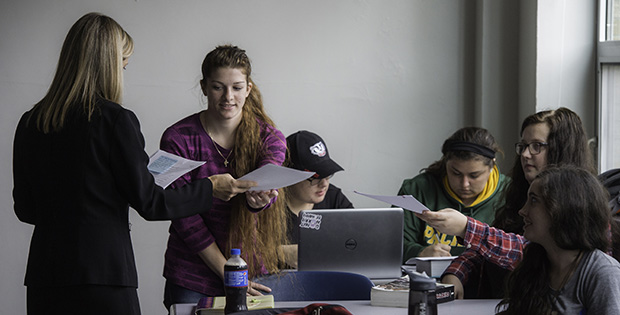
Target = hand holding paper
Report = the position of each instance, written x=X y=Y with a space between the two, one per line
x=447 y=221
x=259 y=199
x=225 y=186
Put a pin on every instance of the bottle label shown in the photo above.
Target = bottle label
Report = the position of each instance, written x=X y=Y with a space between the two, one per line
x=237 y=278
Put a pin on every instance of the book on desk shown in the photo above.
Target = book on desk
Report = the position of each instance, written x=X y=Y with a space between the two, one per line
x=396 y=293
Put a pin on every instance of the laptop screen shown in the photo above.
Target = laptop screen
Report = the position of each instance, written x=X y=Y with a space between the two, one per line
x=364 y=241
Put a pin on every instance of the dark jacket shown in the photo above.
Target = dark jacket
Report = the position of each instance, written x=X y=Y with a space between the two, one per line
x=76 y=186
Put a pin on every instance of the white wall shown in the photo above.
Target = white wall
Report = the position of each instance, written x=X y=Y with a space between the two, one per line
x=383 y=81
x=566 y=62
x=374 y=78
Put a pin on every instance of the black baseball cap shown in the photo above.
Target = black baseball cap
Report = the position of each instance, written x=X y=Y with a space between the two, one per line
x=308 y=152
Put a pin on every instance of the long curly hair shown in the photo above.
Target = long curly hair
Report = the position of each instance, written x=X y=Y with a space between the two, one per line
x=90 y=67
x=577 y=206
x=568 y=145
x=258 y=234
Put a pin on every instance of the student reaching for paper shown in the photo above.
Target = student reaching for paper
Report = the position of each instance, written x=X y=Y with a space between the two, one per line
x=466 y=178
x=235 y=136
x=550 y=137
x=447 y=221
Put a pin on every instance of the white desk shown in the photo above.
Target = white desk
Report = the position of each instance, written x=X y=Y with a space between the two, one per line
x=456 y=307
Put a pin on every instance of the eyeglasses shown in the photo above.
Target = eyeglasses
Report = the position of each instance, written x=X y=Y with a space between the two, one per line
x=534 y=147
x=315 y=181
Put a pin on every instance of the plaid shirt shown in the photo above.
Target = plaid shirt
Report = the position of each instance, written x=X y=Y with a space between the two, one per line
x=484 y=242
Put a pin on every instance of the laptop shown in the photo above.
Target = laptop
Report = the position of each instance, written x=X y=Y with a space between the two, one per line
x=364 y=241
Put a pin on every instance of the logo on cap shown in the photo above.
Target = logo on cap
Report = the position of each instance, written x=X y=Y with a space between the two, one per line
x=318 y=149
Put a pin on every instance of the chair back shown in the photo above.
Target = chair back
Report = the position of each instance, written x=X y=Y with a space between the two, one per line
x=317 y=286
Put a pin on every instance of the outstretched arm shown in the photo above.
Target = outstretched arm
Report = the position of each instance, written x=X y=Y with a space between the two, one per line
x=496 y=246
x=447 y=221
x=225 y=186
x=260 y=199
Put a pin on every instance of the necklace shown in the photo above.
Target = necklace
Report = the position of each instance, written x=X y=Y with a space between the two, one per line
x=573 y=266
x=215 y=144
x=220 y=153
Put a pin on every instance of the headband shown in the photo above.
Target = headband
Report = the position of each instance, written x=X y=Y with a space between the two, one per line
x=454 y=145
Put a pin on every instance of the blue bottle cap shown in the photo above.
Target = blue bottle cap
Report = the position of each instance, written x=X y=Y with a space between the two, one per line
x=235 y=251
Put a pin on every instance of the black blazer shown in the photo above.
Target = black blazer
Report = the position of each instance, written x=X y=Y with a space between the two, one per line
x=75 y=186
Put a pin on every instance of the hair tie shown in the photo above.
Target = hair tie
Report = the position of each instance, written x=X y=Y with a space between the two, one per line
x=454 y=145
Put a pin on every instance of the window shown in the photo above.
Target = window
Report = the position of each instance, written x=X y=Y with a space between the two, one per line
x=609 y=120
x=609 y=85
x=611 y=14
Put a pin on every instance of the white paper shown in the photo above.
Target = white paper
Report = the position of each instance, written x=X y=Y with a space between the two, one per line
x=435 y=258
x=271 y=176
x=167 y=167
x=407 y=202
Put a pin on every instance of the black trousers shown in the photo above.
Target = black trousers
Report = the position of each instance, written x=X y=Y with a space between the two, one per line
x=83 y=299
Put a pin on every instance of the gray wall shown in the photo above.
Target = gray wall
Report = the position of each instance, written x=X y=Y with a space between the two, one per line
x=384 y=83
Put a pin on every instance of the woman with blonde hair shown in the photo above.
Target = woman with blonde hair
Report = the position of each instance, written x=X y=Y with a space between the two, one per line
x=234 y=134
x=78 y=164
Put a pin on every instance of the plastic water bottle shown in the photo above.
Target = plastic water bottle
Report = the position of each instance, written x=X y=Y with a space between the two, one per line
x=235 y=283
x=422 y=296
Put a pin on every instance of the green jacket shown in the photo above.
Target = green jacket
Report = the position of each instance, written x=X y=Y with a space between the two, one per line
x=429 y=190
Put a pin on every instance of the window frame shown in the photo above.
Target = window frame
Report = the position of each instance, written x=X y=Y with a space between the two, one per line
x=608 y=53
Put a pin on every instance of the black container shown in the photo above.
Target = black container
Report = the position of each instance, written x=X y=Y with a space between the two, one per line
x=235 y=283
x=422 y=296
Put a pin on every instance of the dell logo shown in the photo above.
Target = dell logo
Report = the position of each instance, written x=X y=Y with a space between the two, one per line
x=350 y=244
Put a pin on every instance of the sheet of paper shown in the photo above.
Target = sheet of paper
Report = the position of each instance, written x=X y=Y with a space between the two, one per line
x=271 y=176
x=406 y=202
x=435 y=258
x=167 y=167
